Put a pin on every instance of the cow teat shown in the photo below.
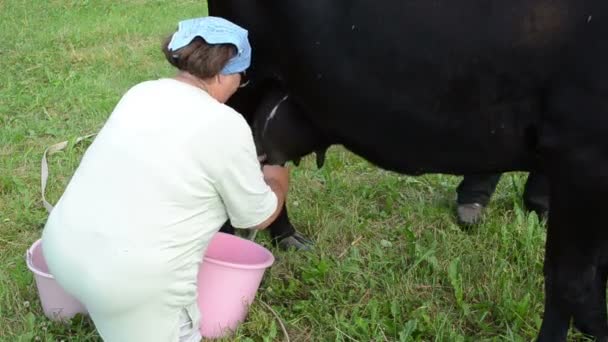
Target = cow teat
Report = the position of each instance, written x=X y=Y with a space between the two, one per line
x=320 y=157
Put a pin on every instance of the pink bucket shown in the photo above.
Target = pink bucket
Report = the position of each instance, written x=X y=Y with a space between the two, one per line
x=228 y=280
x=56 y=303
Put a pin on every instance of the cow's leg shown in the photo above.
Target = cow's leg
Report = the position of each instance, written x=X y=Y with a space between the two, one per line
x=281 y=227
x=556 y=317
x=473 y=194
x=227 y=228
x=597 y=316
x=575 y=151
x=583 y=274
x=575 y=274
x=285 y=235
x=575 y=286
x=536 y=194
x=282 y=232
x=575 y=268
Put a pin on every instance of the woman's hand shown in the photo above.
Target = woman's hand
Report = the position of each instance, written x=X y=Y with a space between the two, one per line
x=278 y=174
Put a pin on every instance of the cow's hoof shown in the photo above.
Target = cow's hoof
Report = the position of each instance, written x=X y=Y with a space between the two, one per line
x=542 y=213
x=587 y=331
x=470 y=213
x=296 y=241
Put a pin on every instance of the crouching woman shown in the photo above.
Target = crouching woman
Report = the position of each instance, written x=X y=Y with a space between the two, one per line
x=171 y=164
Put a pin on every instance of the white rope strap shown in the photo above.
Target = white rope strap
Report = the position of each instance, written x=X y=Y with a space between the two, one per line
x=44 y=167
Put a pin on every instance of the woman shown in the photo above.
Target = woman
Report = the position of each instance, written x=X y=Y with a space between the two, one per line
x=170 y=166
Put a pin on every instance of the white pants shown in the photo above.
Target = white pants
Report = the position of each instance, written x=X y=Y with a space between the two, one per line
x=188 y=333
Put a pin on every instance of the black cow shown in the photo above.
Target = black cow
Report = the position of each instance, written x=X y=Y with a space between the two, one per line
x=456 y=87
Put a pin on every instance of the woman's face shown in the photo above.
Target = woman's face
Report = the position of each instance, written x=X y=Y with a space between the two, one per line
x=228 y=85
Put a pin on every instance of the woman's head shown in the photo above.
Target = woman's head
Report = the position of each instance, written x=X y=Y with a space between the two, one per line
x=199 y=58
x=214 y=50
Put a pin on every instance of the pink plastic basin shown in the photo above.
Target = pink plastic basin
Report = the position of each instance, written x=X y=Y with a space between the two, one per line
x=56 y=303
x=228 y=280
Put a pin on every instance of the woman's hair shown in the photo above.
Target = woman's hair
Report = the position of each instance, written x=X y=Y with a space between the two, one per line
x=199 y=58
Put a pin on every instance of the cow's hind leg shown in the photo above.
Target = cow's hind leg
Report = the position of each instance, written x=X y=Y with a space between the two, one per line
x=575 y=267
x=575 y=149
x=575 y=287
x=556 y=317
x=597 y=316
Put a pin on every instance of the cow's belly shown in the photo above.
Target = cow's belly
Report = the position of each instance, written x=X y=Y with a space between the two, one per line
x=450 y=118
x=502 y=137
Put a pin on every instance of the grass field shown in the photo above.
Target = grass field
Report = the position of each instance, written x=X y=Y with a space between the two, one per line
x=390 y=263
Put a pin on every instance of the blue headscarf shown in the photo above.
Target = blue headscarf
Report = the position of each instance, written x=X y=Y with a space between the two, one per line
x=215 y=30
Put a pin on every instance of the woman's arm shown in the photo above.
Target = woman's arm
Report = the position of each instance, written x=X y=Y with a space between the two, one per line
x=277 y=178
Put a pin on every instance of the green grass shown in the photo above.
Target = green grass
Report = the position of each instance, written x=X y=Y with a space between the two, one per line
x=390 y=263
